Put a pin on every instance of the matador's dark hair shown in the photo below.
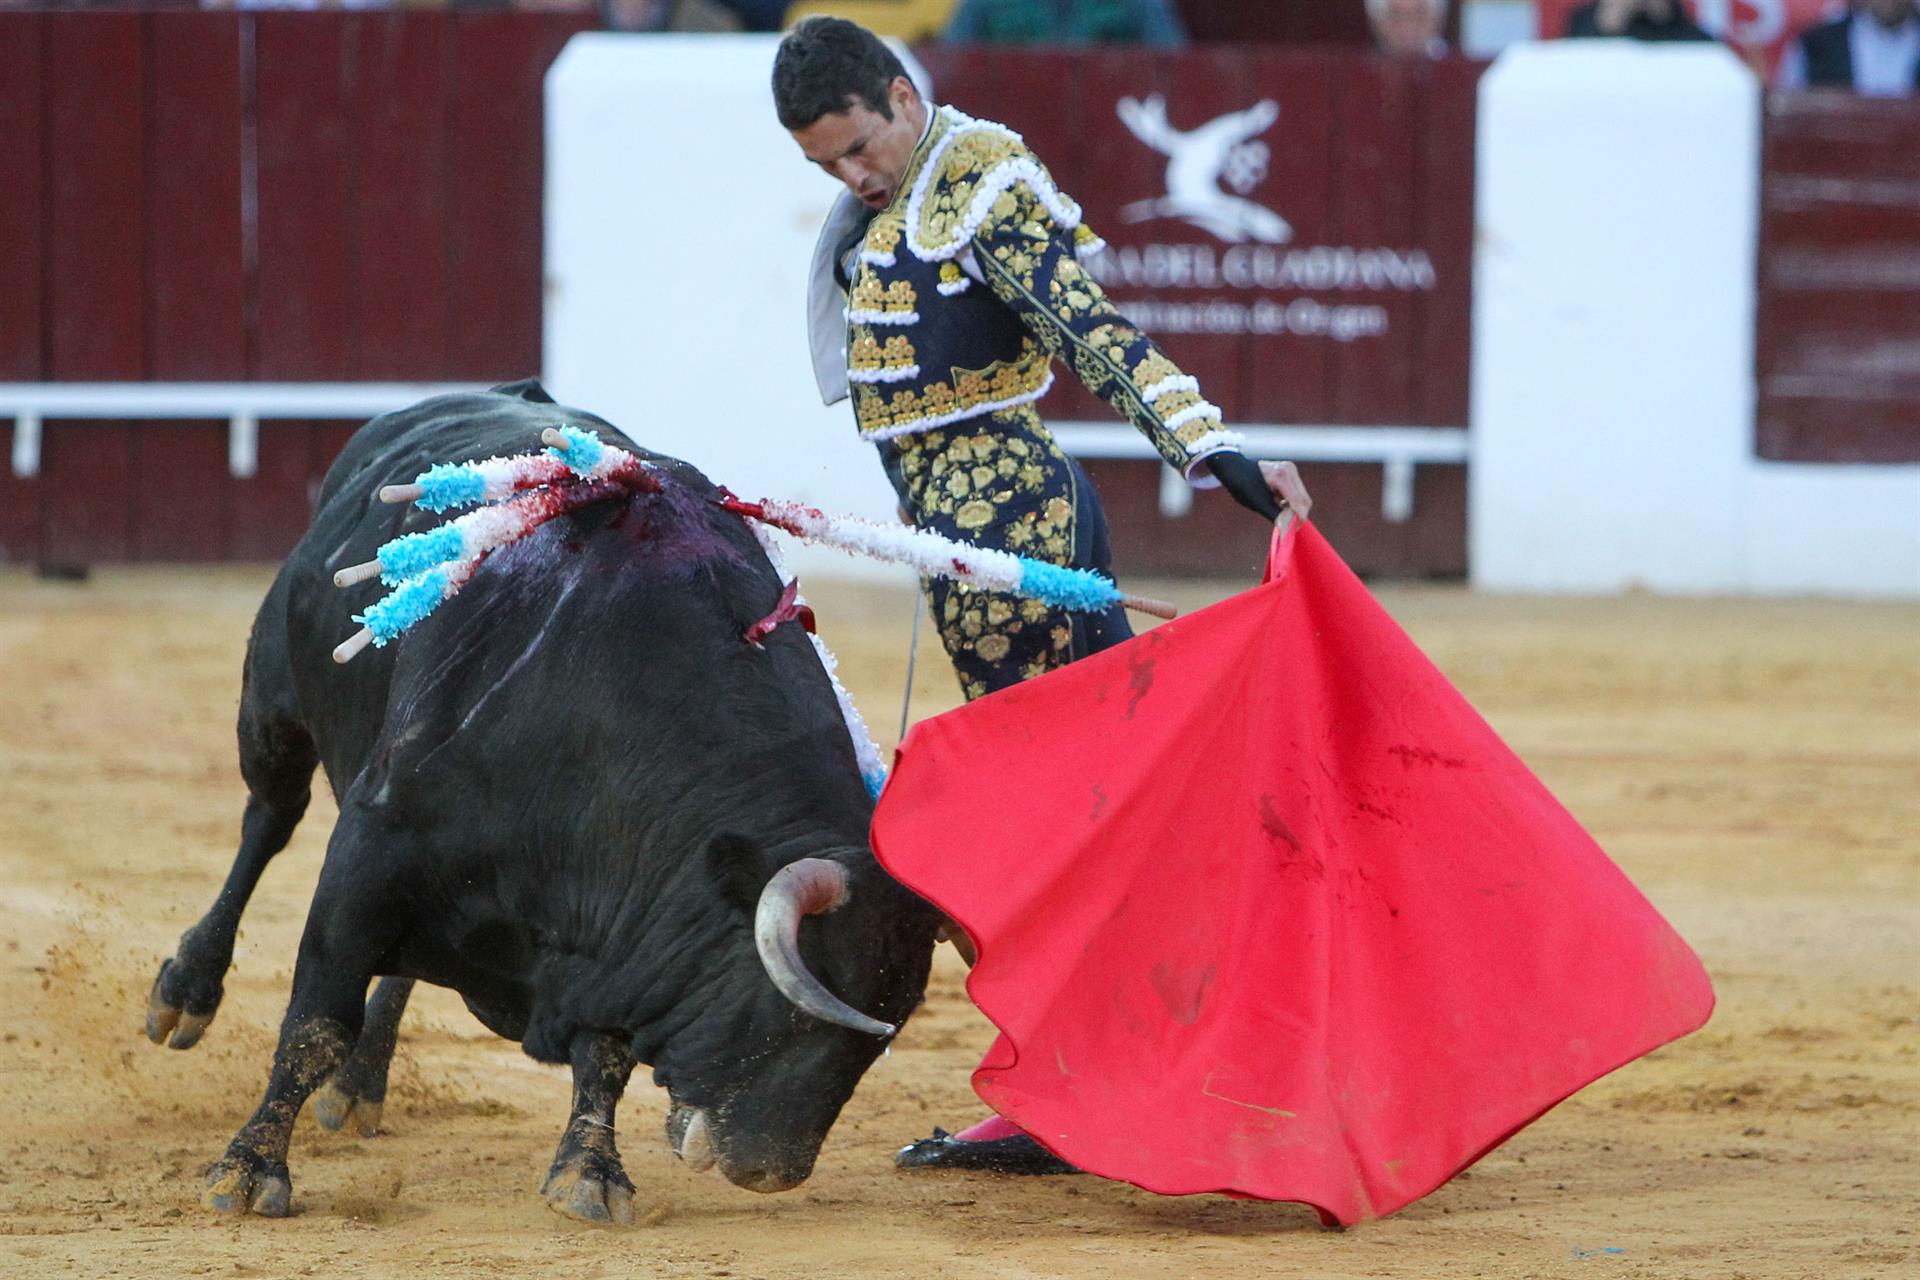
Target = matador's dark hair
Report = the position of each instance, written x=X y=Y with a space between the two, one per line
x=825 y=65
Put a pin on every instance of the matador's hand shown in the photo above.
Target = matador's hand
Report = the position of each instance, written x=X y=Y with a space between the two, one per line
x=1283 y=481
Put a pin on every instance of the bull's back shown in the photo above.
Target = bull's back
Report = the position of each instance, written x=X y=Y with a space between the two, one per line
x=344 y=707
x=395 y=447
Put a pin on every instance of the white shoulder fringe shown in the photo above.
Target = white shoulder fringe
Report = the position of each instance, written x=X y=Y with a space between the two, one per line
x=880 y=317
x=898 y=373
x=991 y=185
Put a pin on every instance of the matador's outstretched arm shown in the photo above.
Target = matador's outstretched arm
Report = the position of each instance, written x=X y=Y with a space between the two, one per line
x=1029 y=264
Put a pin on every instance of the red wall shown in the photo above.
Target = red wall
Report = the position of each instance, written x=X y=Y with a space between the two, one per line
x=319 y=196
x=1838 y=344
x=272 y=196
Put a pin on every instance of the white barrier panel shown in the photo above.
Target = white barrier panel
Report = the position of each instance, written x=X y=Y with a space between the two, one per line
x=1613 y=368
x=680 y=219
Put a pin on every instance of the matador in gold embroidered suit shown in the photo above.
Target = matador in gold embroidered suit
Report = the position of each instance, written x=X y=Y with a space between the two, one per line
x=957 y=292
x=945 y=286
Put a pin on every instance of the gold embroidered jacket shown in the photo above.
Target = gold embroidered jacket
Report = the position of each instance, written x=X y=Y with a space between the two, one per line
x=927 y=345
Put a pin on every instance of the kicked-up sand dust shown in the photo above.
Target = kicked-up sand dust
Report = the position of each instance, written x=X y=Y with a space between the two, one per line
x=1755 y=767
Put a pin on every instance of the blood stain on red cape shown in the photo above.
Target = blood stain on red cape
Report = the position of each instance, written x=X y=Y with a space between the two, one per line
x=1264 y=907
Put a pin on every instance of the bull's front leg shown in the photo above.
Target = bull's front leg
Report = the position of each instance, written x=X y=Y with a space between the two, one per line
x=253 y=1175
x=347 y=925
x=587 y=1181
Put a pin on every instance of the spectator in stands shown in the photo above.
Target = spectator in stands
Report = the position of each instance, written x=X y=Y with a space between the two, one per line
x=1408 y=28
x=1067 y=22
x=1873 y=50
x=692 y=15
x=1635 y=20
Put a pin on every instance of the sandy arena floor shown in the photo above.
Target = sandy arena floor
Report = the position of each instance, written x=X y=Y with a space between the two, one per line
x=1754 y=766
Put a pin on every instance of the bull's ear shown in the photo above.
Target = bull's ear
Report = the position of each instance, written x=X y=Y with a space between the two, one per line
x=740 y=868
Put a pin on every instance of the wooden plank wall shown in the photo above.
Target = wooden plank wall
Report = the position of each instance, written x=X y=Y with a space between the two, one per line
x=352 y=196
x=271 y=196
x=1838 y=343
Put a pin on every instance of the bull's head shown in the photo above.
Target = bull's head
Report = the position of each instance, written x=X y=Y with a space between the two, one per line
x=757 y=1084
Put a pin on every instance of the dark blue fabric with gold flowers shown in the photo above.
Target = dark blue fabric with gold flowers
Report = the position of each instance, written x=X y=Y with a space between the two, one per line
x=966 y=289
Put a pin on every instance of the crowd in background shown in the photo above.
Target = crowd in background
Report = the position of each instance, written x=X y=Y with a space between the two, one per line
x=1871 y=47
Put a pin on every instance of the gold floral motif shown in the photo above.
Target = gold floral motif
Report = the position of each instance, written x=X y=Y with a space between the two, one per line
x=971 y=390
x=974 y=514
x=1191 y=431
x=863 y=352
x=1172 y=402
x=1154 y=367
x=993 y=647
x=873 y=295
x=883 y=235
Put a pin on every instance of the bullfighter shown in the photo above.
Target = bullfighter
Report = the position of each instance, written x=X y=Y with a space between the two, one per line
x=946 y=283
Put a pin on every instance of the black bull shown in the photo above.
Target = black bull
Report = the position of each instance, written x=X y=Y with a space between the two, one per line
x=563 y=796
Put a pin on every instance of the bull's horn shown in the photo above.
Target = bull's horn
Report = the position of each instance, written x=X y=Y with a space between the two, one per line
x=809 y=887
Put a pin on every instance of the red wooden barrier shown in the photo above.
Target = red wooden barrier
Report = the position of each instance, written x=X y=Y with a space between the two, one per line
x=274 y=196
x=1838 y=343
x=22 y=215
x=319 y=196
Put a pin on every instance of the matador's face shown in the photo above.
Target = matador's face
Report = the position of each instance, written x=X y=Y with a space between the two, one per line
x=864 y=149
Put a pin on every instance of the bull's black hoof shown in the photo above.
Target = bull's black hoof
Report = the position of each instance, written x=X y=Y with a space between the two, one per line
x=337 y=1106
x=1016 y=1154
x=242 y=1183
x=590 y=1187
x=179 y=1009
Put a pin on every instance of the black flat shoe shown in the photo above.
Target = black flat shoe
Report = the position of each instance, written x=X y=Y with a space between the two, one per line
x=1016 y=1154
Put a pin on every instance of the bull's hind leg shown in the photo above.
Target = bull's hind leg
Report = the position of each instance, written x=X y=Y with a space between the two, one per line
x=358 y=1091
x=587 y=1181
x=349 y=931
x=277 y=759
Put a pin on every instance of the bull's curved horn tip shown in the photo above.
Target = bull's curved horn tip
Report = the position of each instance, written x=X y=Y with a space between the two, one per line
x=551 y=436
x=809 y=886
x=352 y=645
x=355 y=573
x=394 y=493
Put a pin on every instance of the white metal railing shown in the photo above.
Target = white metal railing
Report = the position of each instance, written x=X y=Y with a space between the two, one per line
x=1398 y=449
x=245 y=404
x=242 y=404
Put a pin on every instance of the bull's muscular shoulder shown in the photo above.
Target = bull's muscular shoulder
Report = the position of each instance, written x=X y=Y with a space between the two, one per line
x=980 y=173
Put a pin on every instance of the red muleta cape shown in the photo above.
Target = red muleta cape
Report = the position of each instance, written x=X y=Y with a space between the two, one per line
x=1264 y=907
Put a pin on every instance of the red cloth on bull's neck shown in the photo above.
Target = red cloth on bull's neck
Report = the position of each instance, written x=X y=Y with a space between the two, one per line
x=1263 y=907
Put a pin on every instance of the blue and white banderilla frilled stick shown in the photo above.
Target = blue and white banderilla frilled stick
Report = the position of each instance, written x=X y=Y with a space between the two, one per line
x=1080 y=590
x=428 y=568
